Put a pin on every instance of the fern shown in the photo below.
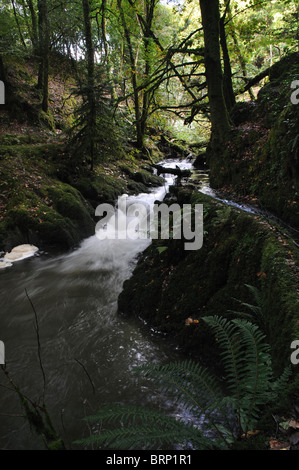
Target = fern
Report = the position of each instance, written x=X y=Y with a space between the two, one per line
x=256 y=311
x=224 y=413
x=142 y=428
x=247 y=362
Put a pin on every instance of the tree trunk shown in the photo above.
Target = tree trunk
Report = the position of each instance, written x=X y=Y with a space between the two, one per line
x=106 y=50
x=241 y=60
x=172 y=171
x=18 y=23
x=149 y=15
x=139 y=133
x=91 y=99
x=44 y=40
x=229 y=94
x=218 y=110
x=34 y=32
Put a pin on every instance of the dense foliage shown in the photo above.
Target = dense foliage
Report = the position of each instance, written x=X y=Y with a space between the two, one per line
x=151 y=52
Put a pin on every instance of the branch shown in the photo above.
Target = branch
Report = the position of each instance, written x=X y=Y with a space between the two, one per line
x=257 y=79
x=200 y=51
x=245 y=9
x=89 y=378
x=151 y=34
x=38 y=345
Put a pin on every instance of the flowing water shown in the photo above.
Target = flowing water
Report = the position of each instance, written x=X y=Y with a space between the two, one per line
x=87 y=349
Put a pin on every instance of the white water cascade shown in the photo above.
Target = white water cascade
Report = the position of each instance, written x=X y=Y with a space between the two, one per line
x=75 y=298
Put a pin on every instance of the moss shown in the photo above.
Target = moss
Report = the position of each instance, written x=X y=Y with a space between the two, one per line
x=47 y=215
x=260 y=156
x=54 y=230
x=281 y=302
x=47 y=120
x=56 y=445
x=168 y=287
x=51 y=203
x=144 y=177
x=147 y=178
x=58 y=231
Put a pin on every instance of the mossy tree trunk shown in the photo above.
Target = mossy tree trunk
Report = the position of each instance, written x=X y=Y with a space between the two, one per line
x=218 y=109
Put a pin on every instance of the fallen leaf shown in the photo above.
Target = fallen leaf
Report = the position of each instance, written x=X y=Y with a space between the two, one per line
x=261 y=274
x=190 y=321
x=250 y=434
x=277 y=445
x=293 y=424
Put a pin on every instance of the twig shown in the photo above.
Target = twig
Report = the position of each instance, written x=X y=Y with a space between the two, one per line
x=82 y=365
x=13 y=415
x=38 y=345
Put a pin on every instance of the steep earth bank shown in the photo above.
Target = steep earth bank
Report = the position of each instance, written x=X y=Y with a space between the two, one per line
x=260 y=160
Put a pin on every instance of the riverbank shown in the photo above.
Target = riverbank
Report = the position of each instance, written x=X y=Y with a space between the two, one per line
x=48 y=193
x=245 y=264
x=47 y=202
x=259 y=161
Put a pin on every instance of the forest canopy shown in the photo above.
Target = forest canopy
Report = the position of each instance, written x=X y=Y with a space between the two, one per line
x=150 y=63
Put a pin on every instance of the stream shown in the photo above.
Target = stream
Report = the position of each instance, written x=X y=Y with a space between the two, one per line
x=87 y=350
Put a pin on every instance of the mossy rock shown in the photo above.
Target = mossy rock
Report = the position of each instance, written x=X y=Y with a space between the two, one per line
x=69 y=203
x=148 y=179
x=168 y=286
x=58 y=231
x=64 y=224
x=136 y=188
x=142 y=176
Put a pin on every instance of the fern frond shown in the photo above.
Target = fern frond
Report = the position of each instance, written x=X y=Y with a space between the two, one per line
x=257 y=313
x=257 y=295
x=249 y=381
x=128 y=415
x=256 y=374
x=185 y=380
x=228 y=338
x=281 y=382
x=193 y=386
x=143 y=428
x=247 y=361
